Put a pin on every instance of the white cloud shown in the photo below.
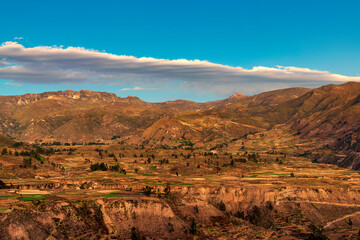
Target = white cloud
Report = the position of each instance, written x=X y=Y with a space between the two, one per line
x=18 y=38
x=46 y=65
x=137 y=89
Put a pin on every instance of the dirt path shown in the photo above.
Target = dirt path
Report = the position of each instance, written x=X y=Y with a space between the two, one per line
x=329 y=224
x=325 y=203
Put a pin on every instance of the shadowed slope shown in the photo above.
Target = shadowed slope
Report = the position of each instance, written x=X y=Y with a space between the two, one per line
x=5 y=142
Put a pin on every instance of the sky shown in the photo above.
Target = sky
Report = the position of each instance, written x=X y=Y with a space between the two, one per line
x=167 y=50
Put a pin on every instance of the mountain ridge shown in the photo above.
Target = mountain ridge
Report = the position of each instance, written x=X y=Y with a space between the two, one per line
x=92 y=116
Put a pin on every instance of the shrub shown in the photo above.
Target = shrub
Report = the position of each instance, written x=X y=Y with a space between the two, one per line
x=196 y=208
x=318 y=233
x=167 y=189
x=4 y=151
x=98 y=167
x=171 y=227
x=147 y=190
x=221 y=206
x=349 y=221
x=239 y=214
x=193 y=227
x=254 y=215
x=26 y=162
x=2 y=185
x=269 y=205
x=135 y=235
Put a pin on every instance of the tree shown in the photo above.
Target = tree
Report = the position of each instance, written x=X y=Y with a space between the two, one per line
x=147 y=190
x=95 y=167
x=4 y=151
x=135 y=235
x=2 y=185
x=254 y=215
x=239 y=214
x=167 y=189
x=193 y=227
x=26 y=162
x=221 y=206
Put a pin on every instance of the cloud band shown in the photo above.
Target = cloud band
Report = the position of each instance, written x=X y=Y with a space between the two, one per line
x=75 y=65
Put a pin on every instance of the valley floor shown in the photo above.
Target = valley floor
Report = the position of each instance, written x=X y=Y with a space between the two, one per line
x=265 y=186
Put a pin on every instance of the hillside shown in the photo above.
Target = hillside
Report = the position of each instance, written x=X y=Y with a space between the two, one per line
x=73 y=116
x=69 y=116
x=94 y=116
x=5 y=142
x=329 y=111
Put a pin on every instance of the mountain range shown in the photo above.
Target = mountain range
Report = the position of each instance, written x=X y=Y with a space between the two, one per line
x=330 y=111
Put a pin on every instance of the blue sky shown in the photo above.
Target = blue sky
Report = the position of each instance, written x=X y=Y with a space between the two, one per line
x=316 y=35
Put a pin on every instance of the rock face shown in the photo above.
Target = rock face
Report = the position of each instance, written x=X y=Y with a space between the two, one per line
x=350 y=160
x=122 y=218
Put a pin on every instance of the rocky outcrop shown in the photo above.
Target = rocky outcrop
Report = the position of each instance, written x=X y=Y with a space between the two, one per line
x=171 y=216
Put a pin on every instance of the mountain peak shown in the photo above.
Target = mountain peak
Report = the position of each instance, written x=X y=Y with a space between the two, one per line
x=132 y=100
x=237 y=96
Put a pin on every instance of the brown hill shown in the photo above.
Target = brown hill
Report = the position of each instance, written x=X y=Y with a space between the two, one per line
x=231 y=118
x=179 y=106
x=329 y=109
x=93 y=116
x=273 y=98
x=236 y=96
x=73 y=116
x=168 y=128
x=89 y=116
x=330 y=114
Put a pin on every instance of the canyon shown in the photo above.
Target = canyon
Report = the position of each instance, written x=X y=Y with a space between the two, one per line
x=90 y=165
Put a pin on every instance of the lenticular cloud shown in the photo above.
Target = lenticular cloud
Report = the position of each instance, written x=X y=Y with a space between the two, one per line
x=75 y=65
